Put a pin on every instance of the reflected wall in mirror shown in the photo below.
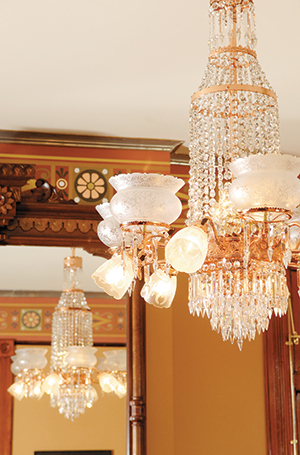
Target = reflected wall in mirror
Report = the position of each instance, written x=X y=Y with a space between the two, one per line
x=42 y=216
x=47 y=430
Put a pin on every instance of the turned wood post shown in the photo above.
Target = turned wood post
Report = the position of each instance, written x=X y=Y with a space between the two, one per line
x=136 y=373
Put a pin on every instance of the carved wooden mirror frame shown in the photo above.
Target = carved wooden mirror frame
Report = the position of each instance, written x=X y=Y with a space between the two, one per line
x=40 y=217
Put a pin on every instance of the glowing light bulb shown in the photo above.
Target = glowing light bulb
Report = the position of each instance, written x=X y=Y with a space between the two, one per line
x=187 y=249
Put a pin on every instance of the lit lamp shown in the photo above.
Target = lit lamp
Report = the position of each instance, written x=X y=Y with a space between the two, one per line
x=113 y=373
x=27 y=365
x=144 y=205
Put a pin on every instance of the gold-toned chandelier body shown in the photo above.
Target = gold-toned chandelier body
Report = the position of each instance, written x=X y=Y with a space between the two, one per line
x=147 y=240
x=234 y=114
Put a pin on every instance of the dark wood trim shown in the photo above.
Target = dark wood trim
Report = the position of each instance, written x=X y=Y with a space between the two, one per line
x=6 y=400
x=136 y=373
x=88 y=141
x=277 y=384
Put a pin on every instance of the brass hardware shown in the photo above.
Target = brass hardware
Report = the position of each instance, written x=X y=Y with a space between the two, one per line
x=234 y=88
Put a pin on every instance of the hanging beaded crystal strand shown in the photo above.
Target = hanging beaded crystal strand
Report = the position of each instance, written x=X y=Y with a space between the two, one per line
x=71 y=326
x=233 y=114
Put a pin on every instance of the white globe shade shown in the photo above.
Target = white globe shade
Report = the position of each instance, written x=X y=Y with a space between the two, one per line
x=187 y=249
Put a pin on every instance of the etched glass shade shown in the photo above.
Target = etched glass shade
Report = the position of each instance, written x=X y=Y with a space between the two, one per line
x=186 y=251
x=109 y=231
x=160 y=289
x=145 y=197
x=266 y=181
x=113 y=277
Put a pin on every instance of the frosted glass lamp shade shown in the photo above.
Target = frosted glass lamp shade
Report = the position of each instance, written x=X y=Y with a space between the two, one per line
x=160 y=289
x=114 y=359
x=268 y=181
x=17 y=390
x=51 y=384
x=81 y=356
x=109 y=230
x=187 y=249
x=146 y=197
x=111 y=277
x=28 y=358
x=108 y=382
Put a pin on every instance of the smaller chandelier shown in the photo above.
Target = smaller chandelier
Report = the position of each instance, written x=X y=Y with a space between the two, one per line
x=70 y=382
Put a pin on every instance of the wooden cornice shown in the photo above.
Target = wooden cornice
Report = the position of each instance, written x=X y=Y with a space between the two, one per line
x=89 y=141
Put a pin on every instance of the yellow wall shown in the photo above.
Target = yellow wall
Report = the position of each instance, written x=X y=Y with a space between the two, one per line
x=204 y=395
x=39 y=427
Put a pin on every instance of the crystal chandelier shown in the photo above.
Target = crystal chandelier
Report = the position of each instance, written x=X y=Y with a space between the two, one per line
x=72 y=369
x=72 y=355
x=234 y=132
x=242 y=193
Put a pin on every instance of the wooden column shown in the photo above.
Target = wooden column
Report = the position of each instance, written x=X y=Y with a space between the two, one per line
x=6 y=400
x=136 y=373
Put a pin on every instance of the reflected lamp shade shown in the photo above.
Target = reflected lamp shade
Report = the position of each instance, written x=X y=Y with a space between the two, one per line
x=28 y=359
x=160 y=289
x=51 y=384
x=112 y=278
x=187 y=249
x=81 y=356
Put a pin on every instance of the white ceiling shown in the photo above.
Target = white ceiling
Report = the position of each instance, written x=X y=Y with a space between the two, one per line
x=128 y=68
x=41 y=269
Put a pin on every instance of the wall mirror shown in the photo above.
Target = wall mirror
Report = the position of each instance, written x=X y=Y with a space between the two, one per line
x=40 y=215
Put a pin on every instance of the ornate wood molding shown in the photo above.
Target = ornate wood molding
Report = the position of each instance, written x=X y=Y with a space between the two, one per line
x=41 y=217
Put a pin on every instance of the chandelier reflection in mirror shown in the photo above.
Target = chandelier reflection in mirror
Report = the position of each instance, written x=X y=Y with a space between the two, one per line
x=73 y=360
x=242 y=192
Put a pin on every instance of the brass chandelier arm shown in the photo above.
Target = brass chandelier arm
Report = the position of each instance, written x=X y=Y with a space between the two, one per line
x=203 y=223
x=234 y=88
